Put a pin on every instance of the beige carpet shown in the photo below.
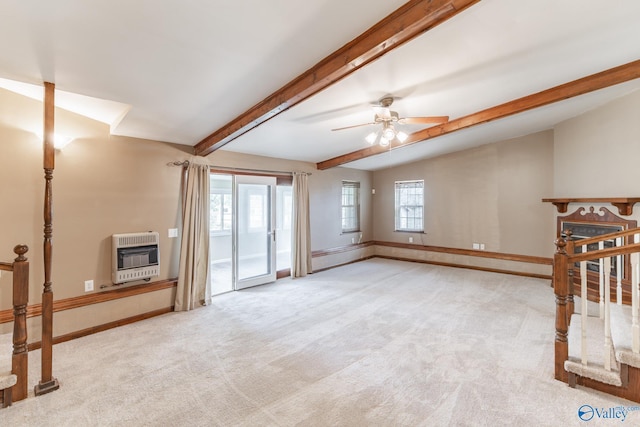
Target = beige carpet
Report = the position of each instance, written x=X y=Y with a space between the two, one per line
x=377 y=343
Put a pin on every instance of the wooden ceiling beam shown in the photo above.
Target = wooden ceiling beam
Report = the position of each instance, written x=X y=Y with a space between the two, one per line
x=610 y=77
x=407 y=22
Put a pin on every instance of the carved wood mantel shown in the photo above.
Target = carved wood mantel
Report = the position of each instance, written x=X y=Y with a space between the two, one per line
x=624 y=204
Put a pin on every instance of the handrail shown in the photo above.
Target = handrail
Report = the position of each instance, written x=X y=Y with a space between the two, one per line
x=19 y=359
x=602 y=253
x=609 y=236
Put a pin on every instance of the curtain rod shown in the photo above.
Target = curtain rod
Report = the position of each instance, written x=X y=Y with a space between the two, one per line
x=186 y=163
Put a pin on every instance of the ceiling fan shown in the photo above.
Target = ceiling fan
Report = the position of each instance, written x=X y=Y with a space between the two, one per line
x=383 y=115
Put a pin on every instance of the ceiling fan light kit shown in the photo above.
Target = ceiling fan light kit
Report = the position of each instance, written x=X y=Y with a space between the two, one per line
x=388 y=131
x=385 y=136
x=383 y=115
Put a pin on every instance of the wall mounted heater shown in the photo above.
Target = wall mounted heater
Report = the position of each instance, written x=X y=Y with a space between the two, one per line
x=136 y=256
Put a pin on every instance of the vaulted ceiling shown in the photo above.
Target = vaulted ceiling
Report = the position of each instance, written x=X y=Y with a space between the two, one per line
x=273 y=78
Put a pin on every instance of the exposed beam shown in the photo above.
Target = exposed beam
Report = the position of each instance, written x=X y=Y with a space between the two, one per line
x=578 y=87
x=410 y=20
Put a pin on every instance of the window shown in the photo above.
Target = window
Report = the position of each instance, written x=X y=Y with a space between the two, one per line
x=221 y=208
x=409 y=205
x=284 y=207
x=350 y=206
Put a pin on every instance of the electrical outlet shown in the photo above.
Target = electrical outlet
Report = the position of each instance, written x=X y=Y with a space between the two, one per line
x=482 y=246
x=353 y=240
x=410 y=239
x=88 y=285
x=173 y=232
x=476 y=246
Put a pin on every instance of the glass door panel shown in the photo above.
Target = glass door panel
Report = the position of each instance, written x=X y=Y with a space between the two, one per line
x=255 y=235
x=284 y=211
x=220 y=247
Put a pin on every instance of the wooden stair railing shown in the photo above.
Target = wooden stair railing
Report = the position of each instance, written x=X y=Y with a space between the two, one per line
x=19 y=359
x=564 y=260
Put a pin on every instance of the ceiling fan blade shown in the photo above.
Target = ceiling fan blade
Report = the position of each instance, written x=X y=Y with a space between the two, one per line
x=423 y=120
x=354 y=126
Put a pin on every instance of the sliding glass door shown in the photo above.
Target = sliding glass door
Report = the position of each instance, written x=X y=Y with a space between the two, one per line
x=244 y=230
x=254 y=231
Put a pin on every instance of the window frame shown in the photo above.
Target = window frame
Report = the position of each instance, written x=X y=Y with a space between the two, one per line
x=354 y=206
x=399 y=205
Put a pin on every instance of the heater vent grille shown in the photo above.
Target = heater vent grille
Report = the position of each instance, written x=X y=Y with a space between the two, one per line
x=136 y=239
x=136 y=274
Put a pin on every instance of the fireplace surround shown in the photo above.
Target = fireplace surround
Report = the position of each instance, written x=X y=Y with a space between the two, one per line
x=582 y=224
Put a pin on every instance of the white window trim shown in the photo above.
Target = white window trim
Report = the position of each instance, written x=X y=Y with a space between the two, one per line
x=397 y=207
x=356 y=185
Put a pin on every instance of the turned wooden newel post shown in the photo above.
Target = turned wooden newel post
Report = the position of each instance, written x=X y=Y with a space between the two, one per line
x=560 y=288
x=48 y=383
x=570 y=249
x=19 y=359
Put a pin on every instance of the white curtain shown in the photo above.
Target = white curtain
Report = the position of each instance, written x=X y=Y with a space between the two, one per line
x=301 y=238
x=194 y=289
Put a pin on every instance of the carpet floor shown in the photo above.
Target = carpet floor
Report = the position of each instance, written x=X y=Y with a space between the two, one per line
x=375 y=343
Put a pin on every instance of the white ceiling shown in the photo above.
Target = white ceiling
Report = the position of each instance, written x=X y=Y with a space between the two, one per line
x=180 y=70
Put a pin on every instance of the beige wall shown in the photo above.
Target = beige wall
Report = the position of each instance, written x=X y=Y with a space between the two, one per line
x=102 y=185
x=490 y=194
x=596 y=154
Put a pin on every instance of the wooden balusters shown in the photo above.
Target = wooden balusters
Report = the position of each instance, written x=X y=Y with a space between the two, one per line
x=560 y=289
x=570 y=250
x=600 y=280
x=608 y=344
x=583 y=308
x=619 y=243
x=19 y=359
x=635 y=327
